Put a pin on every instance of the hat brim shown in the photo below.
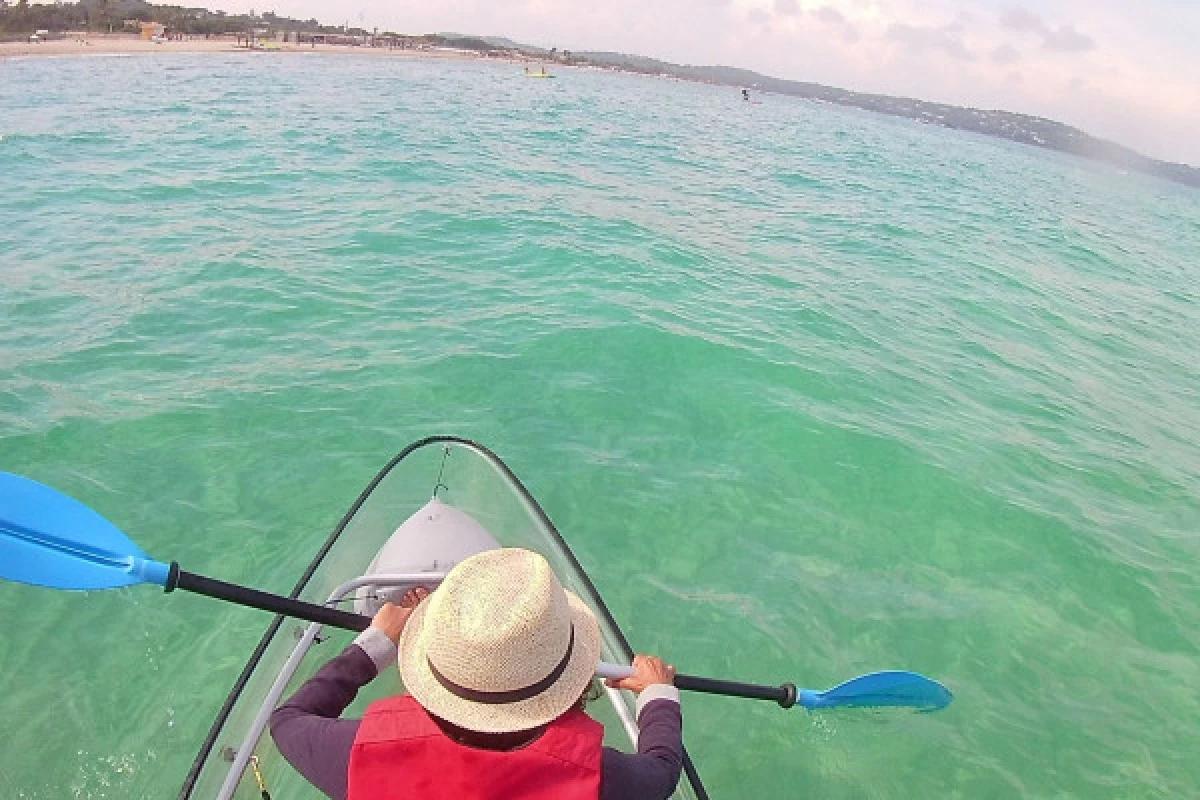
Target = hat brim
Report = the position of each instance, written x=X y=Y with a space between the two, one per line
x=500 y=717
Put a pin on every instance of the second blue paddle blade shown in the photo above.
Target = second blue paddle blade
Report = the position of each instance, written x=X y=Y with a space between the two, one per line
x=889 y=688
x=50 y=539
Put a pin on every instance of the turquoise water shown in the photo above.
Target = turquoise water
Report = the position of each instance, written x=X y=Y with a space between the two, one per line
x=811 y=393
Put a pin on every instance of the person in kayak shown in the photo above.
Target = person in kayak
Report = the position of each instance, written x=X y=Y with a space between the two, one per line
x=497 y=664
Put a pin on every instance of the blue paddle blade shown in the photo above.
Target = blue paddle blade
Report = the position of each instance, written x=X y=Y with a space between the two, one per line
x=49 y=539
x=890 y=688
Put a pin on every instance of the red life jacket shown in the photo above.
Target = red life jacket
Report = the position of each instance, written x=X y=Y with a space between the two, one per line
x=400 y=753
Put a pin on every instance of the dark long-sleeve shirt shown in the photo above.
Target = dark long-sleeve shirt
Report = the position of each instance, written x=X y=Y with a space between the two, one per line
x=310 y=734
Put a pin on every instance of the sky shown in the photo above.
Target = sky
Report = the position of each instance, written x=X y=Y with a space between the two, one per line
x=1125 y=70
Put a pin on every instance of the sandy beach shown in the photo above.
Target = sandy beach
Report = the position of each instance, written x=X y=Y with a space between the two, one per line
x=120 y=44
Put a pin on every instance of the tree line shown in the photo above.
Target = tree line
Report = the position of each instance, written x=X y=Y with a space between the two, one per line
x=106 y=16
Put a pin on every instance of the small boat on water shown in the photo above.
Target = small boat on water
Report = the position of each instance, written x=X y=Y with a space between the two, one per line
x=439 y=501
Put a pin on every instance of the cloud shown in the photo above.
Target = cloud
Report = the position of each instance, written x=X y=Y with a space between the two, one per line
x=926 y=39
x=961 y=22
x=1021 y=20
x=759 y=16
x=1067 y=40
x=830 y=16
x=1064 y=39
x=787 y=7
x=1006 y=54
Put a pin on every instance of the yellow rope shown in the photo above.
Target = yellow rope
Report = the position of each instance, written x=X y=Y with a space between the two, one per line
x=258 y=776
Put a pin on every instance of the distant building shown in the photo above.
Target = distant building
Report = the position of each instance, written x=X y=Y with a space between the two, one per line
x=153 y=30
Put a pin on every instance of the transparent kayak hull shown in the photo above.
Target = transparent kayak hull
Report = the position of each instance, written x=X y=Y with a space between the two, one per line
x=466 y=476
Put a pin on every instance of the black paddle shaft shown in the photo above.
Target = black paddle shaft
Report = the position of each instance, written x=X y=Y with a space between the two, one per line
x=785 y=695
x=245 y=596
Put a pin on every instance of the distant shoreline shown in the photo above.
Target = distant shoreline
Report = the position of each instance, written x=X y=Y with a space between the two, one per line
x=1020 y=128
x=129 y=44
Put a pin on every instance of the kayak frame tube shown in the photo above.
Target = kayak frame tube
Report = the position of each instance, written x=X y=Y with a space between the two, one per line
x=245 y=753
x=206 y=747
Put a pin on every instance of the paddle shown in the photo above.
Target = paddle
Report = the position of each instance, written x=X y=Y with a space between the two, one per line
x=49 y=539
x=874 y=690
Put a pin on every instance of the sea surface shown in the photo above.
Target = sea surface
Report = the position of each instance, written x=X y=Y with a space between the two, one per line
x=811 y=392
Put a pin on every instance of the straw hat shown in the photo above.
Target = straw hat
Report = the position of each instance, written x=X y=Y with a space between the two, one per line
x=500 y=646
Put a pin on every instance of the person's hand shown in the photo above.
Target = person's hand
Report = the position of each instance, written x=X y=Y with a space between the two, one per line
x=647 y=670
x=391 y=618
